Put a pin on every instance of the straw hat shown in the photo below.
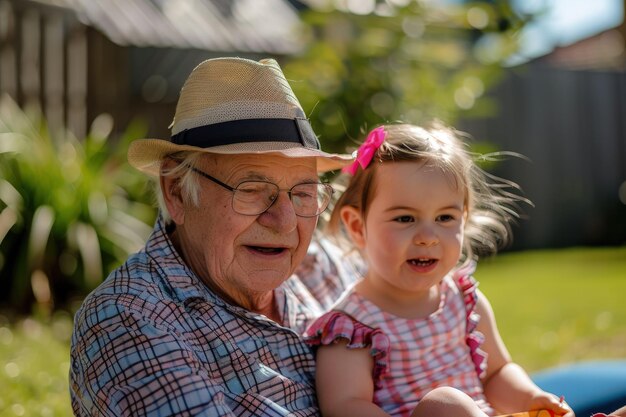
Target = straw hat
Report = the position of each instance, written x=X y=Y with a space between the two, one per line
x=235 y=106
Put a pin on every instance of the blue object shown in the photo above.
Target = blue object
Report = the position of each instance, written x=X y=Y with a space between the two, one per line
x=588 y=387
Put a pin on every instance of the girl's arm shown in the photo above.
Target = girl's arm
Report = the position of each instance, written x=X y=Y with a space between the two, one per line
x=507 y=386
x=344 y=382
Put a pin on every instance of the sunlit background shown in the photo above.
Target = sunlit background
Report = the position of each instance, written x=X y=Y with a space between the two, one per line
x=564 y=22
x=80 y=79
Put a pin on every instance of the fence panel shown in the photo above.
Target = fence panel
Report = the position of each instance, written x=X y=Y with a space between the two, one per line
x=572 y=126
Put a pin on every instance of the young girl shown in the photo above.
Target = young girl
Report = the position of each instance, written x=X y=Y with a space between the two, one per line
x=414 y=336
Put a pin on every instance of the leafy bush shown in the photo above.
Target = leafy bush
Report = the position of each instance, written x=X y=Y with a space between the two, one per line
x=70 y=209
x=408 y=61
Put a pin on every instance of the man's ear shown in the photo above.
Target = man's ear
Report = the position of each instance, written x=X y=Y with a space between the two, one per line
x=172 y=193
x=354 y=223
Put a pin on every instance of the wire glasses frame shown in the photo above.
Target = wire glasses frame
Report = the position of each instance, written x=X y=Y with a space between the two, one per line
x=252 y=198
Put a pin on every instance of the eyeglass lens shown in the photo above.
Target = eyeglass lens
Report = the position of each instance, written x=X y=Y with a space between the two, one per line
x=255 y=197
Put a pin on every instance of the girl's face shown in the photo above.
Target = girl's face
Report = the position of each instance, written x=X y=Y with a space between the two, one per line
x=413 y=232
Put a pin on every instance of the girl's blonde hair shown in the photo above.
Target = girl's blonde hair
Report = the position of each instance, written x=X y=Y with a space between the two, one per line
x=491 y=203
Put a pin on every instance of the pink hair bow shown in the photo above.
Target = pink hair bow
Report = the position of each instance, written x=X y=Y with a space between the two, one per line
x=366 y=151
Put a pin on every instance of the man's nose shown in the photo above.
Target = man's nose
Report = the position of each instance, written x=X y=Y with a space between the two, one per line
x=281 y=214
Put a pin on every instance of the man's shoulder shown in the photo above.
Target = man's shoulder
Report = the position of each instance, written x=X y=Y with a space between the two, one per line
x=138 y=274
x=132 y=287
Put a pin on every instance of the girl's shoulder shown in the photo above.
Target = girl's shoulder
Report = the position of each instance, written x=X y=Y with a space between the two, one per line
x=343 y=321
x=338 y=326
x=464 y=280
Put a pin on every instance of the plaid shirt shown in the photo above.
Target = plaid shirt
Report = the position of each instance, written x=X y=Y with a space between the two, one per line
x=153 y=340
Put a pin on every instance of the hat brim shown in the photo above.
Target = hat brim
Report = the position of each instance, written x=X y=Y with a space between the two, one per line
x=146 y=154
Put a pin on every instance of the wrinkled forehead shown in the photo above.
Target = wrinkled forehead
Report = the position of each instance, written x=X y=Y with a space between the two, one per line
x=263 y=166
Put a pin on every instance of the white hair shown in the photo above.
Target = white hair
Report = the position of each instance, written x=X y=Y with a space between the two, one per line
x=189 y=184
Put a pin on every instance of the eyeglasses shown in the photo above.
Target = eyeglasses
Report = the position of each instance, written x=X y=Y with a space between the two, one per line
x=252 y=198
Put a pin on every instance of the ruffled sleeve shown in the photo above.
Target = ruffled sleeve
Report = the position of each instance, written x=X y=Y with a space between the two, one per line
x=335 y=325
x=474 y=339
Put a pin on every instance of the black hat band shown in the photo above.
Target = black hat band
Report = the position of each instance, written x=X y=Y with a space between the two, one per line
x=249 y=130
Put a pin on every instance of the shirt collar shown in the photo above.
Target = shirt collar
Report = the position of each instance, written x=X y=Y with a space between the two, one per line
x=174 y=274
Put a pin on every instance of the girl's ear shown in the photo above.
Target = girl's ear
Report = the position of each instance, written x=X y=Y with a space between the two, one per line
x=172 y=196
x=355 y=225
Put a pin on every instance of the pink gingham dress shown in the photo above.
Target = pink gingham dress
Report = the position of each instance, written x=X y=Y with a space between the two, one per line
x=413 y=356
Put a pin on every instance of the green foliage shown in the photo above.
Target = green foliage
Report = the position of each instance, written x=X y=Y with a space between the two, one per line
x=69 y=208
x=410 y=63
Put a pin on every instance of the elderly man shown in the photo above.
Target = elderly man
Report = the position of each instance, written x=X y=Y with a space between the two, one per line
x=204 y=320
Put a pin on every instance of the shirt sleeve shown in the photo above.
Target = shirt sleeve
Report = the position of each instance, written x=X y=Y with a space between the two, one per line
x=123 y=364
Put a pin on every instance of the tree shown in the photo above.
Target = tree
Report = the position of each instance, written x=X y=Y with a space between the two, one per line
x=404 y=61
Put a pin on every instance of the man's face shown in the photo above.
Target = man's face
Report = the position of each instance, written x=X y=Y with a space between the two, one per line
x=245 y=256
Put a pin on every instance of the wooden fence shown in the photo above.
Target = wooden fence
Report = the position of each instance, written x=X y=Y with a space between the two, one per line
x=43 y=62
x=571 y=124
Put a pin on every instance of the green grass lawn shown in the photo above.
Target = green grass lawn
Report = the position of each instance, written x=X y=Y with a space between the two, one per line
x=34 y=367
x=552 y=307
x=560 y=306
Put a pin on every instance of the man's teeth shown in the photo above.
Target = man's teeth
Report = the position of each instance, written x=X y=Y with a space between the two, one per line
x=268 y=250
